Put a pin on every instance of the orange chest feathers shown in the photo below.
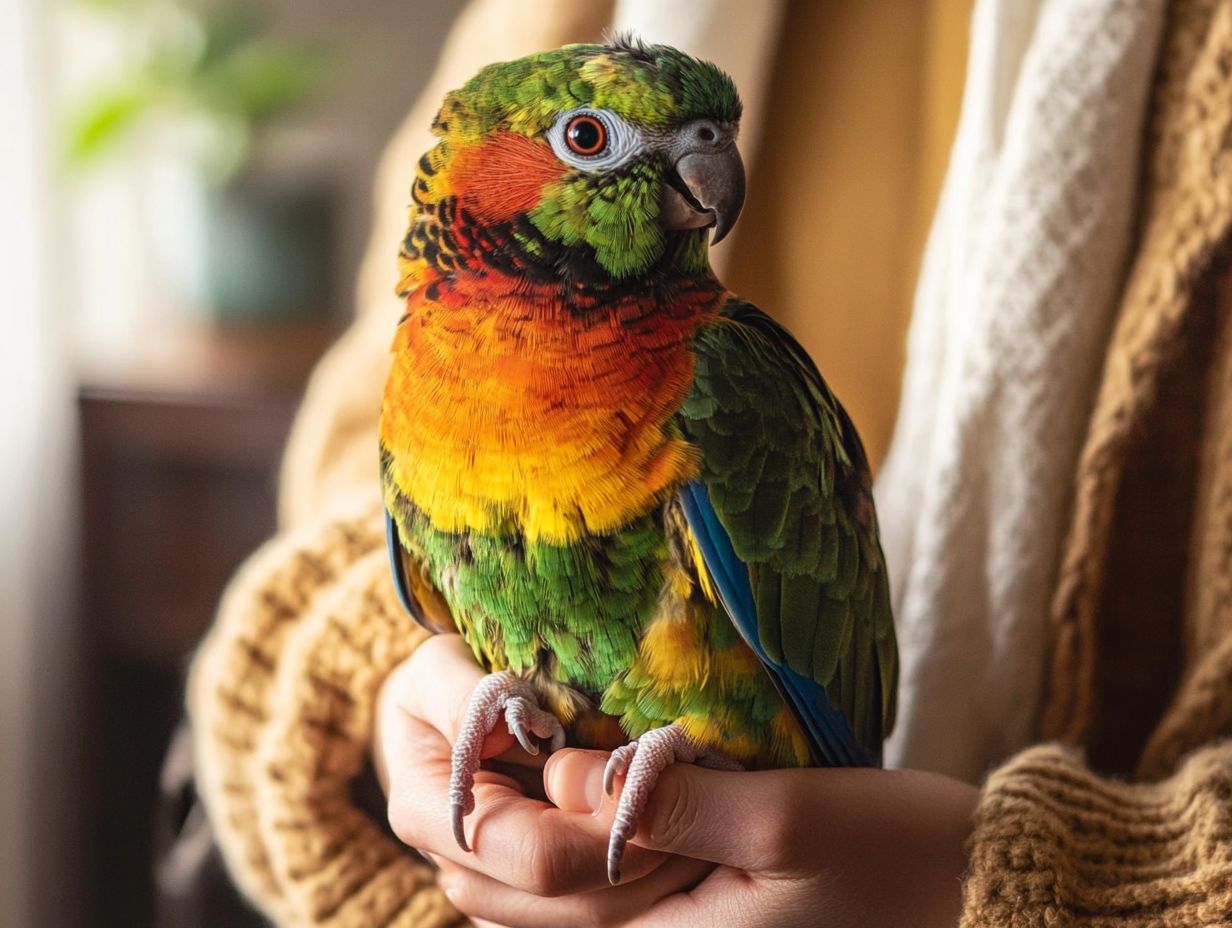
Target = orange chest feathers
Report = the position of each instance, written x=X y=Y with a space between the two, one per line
x=504 y=412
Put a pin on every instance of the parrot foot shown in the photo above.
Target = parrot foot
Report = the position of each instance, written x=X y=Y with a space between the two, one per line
x=642 y=761
x=496 y=693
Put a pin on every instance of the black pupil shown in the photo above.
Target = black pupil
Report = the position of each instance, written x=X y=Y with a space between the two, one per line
x=585 y=134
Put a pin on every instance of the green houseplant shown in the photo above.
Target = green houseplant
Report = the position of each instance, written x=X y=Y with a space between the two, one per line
x=213 y=79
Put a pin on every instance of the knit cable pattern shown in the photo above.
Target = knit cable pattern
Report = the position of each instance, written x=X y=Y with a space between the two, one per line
x=1055 y=845
x=1188 y=210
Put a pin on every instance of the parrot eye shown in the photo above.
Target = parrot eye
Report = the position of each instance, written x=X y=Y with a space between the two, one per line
x=594 y=140
x=586 y=135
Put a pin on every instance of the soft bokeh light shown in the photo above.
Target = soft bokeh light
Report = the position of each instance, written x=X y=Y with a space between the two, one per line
x=187 y=191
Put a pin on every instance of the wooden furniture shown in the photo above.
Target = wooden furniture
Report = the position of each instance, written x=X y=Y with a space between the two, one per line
x=180 y=435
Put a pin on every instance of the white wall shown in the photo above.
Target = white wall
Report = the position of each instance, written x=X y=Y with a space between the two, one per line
x=36 y=566
x=392 y=50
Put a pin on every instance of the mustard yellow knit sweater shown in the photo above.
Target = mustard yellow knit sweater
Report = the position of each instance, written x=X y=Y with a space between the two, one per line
x=1140 y=684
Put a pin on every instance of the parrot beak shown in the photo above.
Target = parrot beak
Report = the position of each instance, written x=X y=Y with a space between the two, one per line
x=705 y=186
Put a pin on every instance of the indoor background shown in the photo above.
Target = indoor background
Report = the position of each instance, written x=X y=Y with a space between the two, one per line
x=187 y=191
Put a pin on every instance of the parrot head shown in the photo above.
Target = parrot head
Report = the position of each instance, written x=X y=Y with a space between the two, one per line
x=589 y=164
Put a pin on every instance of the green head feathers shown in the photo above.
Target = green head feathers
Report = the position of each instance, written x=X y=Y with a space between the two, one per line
x=588 y=163
x=655 y=86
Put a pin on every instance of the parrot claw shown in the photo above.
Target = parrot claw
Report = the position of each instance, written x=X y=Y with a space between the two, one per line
x=617 y=765
x=642 y=761
x=496 y=693
x=457 y=812
x=529 y=723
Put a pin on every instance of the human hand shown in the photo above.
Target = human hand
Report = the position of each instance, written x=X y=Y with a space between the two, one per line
x=794 y=847
x=552 y=854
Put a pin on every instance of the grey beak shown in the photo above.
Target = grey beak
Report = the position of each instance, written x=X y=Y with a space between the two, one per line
x=713 y=193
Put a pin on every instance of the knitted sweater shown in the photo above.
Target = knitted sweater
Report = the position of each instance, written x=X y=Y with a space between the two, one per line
x=1139 y=678
x=1012 y=314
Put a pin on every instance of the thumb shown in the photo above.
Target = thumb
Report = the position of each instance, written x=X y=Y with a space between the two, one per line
x=573 y=779
x=737 y=819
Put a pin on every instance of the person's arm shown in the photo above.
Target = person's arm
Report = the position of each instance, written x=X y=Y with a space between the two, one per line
x=1045 y=842
x=1057 y=844
x=792 y=847
x=281 y=701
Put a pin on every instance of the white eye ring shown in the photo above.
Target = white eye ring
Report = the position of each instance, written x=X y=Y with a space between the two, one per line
x=623 y=141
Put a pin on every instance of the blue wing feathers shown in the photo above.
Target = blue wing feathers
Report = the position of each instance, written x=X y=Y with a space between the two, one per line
x=730 y=575
x=832 y=739
x=394 y=543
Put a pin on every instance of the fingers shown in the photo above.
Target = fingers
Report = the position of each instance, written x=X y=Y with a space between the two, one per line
x=746 y=821
x=436 y=682
x=730 y=898
x=742 y=820
x=484 y=898
x=573 y=779
x=528 y=844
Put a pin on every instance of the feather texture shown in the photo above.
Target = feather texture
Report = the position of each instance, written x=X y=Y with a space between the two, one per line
x=784 y=519
x=609 y=477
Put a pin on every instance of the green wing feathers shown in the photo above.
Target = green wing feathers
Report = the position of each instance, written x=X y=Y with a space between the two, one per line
x=788 y=476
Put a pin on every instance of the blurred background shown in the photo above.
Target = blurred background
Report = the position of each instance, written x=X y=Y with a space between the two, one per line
x=187 y=195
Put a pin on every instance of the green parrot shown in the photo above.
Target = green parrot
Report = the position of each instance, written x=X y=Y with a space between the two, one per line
x=630 y=491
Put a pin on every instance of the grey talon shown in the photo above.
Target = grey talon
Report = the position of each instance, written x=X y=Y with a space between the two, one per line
x=459 y=829
x=615 y=852
x=527 y=742
x=616 y=765
x=609 y=776
x=527 y=722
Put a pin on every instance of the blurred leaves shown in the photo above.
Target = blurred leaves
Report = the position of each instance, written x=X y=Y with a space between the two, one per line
x=109 y=115
x=212 y=74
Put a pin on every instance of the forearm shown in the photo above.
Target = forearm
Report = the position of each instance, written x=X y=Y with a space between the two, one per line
x=282 y=696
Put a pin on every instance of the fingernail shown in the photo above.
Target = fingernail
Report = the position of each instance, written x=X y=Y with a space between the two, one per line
x=574 y=779
x=448 y=887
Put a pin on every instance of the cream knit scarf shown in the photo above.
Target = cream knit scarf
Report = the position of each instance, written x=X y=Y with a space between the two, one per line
x=1021 y=275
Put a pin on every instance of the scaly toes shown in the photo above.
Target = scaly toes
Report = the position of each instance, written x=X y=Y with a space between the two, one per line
x=528 y=723
x=481 y=714
x=642 y=761
x=498 y=692
x=617 y=765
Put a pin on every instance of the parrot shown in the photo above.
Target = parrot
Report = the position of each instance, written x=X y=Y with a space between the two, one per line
x=629 y=490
